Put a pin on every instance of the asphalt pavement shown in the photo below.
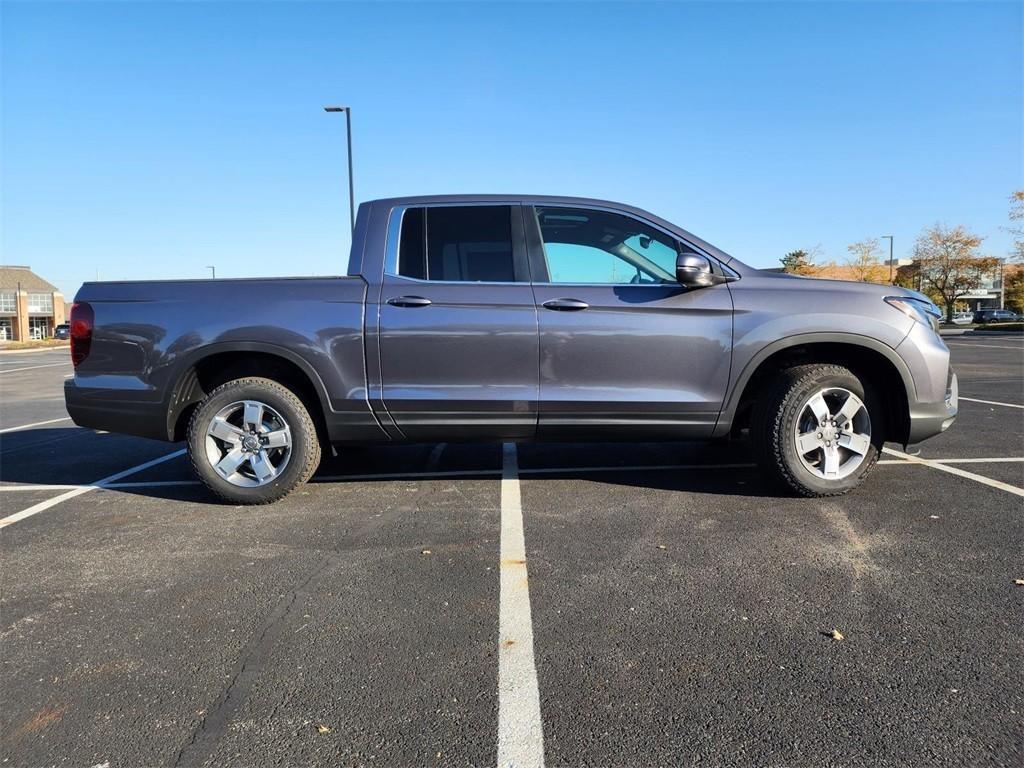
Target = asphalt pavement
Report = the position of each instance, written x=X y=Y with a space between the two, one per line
x=678 y=610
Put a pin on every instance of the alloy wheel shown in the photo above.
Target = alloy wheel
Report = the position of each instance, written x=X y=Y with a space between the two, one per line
x=833 y=433
x=248 y=443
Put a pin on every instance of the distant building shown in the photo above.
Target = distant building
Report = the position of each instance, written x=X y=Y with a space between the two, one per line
x=989 y=295
x=30 y=307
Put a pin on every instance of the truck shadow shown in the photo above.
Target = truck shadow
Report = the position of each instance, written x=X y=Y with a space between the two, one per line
x=40 y=457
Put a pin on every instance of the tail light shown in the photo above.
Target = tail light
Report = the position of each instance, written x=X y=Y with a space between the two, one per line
x=81 y=331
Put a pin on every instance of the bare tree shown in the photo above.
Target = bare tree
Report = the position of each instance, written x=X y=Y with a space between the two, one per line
x=949 y=264
x=864 y=261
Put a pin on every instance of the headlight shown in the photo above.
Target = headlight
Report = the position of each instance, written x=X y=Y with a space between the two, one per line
x=921 y=310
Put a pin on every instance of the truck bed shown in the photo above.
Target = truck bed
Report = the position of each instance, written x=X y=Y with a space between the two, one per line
x=149 y=336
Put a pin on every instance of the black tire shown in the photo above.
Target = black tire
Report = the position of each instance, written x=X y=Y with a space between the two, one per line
x=305 y=446
x=775 y=417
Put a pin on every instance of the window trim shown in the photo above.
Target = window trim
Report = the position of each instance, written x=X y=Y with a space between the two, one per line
x=539 y=265
x=520 y=260
x=44 y=308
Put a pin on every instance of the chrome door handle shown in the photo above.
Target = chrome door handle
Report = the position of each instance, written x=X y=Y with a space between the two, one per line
x=409 y=301
x=565 y=305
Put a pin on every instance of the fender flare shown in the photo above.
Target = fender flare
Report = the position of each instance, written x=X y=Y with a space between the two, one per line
x=176 y=402
x=728 y=412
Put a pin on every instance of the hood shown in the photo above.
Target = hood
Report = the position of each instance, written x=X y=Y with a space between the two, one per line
x=828 y=284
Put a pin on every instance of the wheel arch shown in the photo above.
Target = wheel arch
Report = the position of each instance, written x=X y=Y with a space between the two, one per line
x=216 y=364
x=865 y=356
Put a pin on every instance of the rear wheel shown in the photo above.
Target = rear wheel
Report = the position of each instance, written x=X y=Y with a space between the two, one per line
x=252 y=441
x=818 y=429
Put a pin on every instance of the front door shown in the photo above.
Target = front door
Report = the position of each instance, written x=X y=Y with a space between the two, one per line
x=624 y=349
x=458 y=325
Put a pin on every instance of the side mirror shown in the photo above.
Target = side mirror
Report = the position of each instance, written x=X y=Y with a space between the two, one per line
x=694 y=271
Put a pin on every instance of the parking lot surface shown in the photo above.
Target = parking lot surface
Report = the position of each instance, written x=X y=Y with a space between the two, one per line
x=667 y=606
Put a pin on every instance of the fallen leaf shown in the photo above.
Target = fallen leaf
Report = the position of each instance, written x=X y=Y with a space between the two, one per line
x=323 y=728
x=837 y=635
x=1019 y=582
x=426 y=552
x=662 y=546
x=934 y=517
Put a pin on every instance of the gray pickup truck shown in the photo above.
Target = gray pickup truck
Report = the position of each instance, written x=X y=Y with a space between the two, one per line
x=511 y=318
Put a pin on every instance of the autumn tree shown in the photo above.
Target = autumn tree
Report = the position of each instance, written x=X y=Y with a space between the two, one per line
x=909 y=276
x=1017 y=230
x=864 y=261
x=949 y=264
x=797 y=262
x=1013 y=287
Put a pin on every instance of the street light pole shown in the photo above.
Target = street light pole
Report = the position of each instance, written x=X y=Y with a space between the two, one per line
x=213 y=272
x=351 y=184
x=889 y=238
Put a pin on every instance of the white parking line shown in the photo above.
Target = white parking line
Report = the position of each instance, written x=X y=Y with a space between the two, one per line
x=520 y=732
x=420 y=475
x=987 y=346
x=30 y=487
x=45 y=505
x=943 y=467
x=991 y=402
x=33 y=367
x=986 y=460
x=1005 y=459
x=495 y=472
x=34 y=424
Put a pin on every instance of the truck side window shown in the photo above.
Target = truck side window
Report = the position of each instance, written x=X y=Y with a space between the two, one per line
x=588 y=246
x=457 y=244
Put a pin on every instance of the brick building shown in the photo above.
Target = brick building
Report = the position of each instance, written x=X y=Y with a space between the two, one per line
x=30 y=307
x=989 y=295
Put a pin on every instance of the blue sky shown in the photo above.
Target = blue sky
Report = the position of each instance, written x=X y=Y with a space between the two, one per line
x=148 y=140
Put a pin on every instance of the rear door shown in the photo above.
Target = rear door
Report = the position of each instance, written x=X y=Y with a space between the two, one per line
x=625 y=351
x=458 y=324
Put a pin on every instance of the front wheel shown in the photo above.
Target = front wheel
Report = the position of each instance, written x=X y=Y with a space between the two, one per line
x=252 y=441
x=818 y=429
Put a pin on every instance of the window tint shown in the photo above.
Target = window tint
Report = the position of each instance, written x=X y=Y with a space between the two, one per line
x=587 y=246
x=457 y=243
x=412 y=261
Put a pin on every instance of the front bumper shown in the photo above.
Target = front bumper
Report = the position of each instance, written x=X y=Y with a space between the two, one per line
x=930 y=419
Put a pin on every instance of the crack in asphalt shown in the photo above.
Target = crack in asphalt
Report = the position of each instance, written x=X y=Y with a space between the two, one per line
x=215 y=722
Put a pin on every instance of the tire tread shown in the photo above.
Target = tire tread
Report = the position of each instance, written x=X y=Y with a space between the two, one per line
x=309 y=461
x=768 y=429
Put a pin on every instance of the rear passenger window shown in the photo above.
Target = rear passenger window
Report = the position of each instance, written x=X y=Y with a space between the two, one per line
x=457 y=244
